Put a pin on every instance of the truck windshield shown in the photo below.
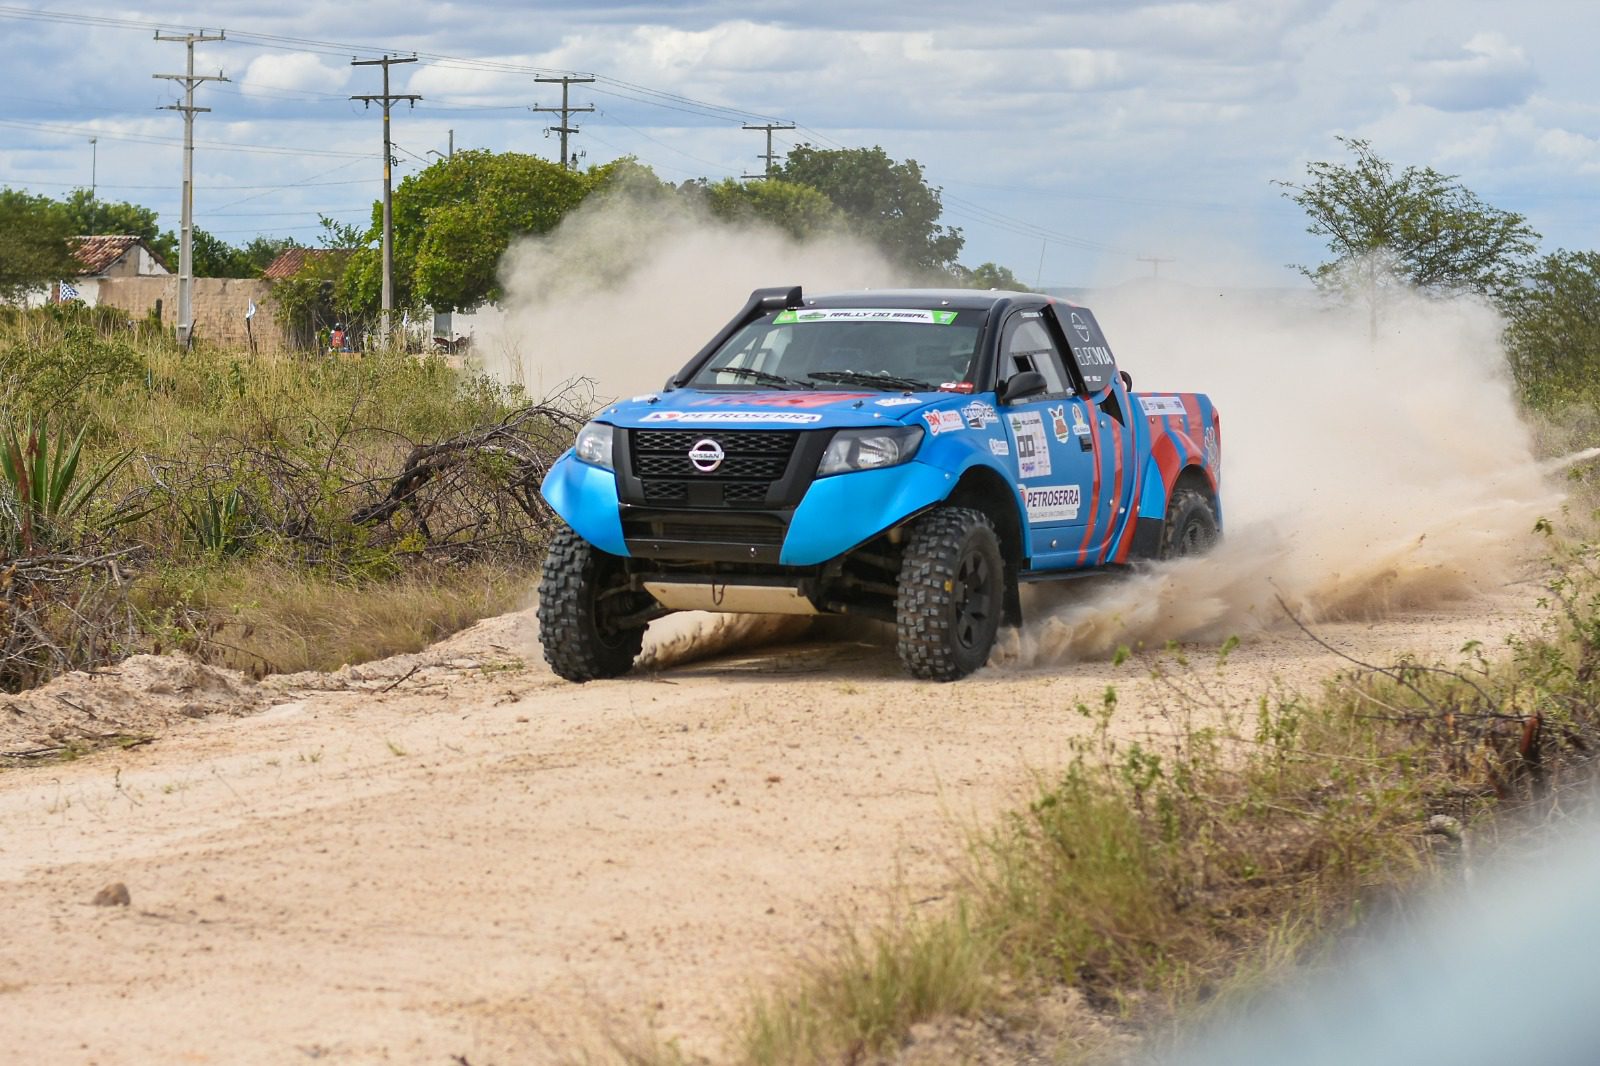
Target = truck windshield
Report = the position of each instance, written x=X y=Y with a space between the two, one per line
x=892 y=349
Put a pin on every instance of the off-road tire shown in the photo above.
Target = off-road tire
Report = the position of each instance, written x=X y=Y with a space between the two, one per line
x=578 y=643
x=1190 y=527
x=952 y=594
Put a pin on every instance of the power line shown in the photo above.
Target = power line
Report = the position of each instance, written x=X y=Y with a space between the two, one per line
x=186 y=231
x=566 y=111
x=387 y=99
x=768 y=154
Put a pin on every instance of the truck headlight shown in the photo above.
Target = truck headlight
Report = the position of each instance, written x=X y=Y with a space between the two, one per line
x=594 y=444
x=869 y=449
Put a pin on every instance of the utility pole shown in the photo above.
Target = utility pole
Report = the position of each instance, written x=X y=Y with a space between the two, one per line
x=1155 y=262
x=566 y=110
x=387 y=99
x=768 y=155
x=186 y=240
x=94 y=161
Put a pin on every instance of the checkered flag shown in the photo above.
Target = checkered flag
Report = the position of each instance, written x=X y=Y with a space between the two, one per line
x=66 y=292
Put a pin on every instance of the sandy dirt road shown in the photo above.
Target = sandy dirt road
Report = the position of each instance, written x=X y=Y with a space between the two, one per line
x=482 y=861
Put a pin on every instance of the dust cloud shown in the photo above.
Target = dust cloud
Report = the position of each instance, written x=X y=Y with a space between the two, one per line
x=630 y=286
x=1370 y=464
x=1367 y=467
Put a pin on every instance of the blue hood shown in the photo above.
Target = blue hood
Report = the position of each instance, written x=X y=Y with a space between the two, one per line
x=770 y=409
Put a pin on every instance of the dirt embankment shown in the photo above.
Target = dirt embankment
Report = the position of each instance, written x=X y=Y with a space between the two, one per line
x=455 y=854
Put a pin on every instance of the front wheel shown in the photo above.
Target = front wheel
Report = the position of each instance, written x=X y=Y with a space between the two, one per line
x=951 y=594
x=582 y=593
x=1191 y=525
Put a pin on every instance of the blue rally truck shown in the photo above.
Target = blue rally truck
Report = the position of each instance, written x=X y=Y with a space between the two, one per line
x=911 y=456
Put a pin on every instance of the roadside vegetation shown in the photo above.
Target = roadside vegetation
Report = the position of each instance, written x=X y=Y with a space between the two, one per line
x=270 y=514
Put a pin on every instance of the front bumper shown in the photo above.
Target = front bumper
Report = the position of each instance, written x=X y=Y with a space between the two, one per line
x=835 y=514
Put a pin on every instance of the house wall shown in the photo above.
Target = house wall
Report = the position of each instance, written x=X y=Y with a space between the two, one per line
x=219 y=307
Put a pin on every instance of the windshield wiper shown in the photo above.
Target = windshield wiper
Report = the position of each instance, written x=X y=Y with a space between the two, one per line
x=862 y=377
x=777 y=381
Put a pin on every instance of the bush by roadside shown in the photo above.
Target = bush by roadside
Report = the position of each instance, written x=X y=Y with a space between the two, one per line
x=273 y=513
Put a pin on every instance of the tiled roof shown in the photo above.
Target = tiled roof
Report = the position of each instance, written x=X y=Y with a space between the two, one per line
x=292 y=260
x=97 y=253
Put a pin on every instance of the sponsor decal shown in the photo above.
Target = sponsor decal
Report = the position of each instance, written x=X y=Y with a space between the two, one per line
x=1079 y=326
x=940 y=421
x=865 y=314
x=1211 y=449
x=979 y=414
x=956 y=386
x=1052 y=503
x=1058 y=422
x=648 y=397
x=1080 y=428
x=999 y=447
x=1033 y=447
x=777 y=399
x=787 y=418
x=897 y=401
x=706 y=455
x=1093 y=355
x=1160 y=406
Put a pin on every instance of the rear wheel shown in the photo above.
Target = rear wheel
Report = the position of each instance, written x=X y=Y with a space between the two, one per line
x=583 y=596
x=1191 y=525
x=952 y=593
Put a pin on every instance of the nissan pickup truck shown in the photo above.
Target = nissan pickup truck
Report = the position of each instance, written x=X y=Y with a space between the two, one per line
x=913 y=456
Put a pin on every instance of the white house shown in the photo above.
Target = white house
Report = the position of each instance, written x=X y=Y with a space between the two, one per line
x=101 y=257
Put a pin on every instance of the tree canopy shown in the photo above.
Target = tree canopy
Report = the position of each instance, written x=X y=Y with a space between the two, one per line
x=1418 y=226
x=454 y=220
x=888 y=203
x=87 y=216
x=33 y=243
x=1553 y=331
x=798 y=210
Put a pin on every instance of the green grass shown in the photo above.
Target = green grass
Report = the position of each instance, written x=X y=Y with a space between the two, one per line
x=1169 y=879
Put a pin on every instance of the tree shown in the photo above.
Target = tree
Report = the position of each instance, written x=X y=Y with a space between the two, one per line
x=88 y=216
x=889 y=203
x=798 y=210
x=1553 y=330
x=990 y=276
x=33 y=244
x=1418 y=226
x=454 y=220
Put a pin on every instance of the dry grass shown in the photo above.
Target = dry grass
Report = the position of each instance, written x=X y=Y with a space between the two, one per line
x=270 y=618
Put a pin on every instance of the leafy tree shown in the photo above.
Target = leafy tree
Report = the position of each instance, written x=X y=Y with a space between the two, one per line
x=454 y=220
x=1553 y=331
x=797 y=210
x=88 y=216
x=214 y=257
x=33 y=244
x=259 y=252
x=310 y=301
x=990 y=276
x=889 y=203
x=1417 y=226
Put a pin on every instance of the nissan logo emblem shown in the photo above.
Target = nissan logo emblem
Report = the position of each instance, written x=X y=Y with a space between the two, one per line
x=706 y=455
x=1079 y=326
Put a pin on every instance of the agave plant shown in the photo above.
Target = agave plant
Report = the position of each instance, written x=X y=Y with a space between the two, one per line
x=42 y=492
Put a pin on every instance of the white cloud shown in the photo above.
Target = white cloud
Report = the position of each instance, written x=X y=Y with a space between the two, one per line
x=271 y=74
x=1488 y=72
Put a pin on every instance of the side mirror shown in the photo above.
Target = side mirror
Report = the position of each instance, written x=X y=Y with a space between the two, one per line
x=1127 y=380
x=1020 y=386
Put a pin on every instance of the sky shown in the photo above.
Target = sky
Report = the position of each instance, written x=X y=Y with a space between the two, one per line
x=1081 y=142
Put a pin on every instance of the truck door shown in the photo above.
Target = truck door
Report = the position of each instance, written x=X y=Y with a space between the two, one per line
x=1111 y=428
x=1051 y=441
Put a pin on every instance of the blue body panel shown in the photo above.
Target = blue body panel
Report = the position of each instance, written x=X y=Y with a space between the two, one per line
x=1091 y=474
x=586 y=499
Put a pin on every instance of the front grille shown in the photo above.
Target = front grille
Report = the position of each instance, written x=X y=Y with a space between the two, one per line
x=687 y=528
x=755 y=455
x=753 y=461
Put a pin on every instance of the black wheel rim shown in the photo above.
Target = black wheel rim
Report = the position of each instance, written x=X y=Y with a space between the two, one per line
x=1194 y=539
x=974 y=598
